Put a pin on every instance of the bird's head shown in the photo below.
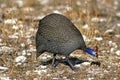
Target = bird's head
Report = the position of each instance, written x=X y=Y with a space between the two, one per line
x=93 y=52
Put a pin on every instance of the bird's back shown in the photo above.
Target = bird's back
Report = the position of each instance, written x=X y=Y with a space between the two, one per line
x=57 y=34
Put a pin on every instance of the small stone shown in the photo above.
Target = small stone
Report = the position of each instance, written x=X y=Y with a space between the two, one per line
x=20 y=59
x=86 y=63
x=98 y=38
x=117 y=52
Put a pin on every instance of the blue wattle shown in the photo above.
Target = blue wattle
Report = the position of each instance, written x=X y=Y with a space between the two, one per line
x=90 y=51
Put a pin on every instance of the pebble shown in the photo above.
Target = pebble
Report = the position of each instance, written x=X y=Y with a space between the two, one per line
x=98 y=38
x=20 y=59
x=117 y=52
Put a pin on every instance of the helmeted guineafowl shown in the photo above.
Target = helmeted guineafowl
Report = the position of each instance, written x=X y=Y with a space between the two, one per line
x=58 y=35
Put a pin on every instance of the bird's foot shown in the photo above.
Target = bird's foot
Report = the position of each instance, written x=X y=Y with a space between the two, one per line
x=55 y=63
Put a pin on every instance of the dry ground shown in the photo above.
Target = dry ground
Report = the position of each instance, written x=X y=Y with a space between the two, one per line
x=98 y=21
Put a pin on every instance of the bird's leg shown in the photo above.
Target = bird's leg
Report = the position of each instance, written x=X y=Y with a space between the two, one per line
x=70 y=64
x=53 y=61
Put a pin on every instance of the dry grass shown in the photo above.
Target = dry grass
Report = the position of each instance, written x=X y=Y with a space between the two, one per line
x=24 y=38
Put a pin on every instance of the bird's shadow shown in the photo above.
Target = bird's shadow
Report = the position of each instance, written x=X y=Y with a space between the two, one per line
x=73 y=60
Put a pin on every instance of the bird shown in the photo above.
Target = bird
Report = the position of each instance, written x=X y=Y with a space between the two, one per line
x=58 y=35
